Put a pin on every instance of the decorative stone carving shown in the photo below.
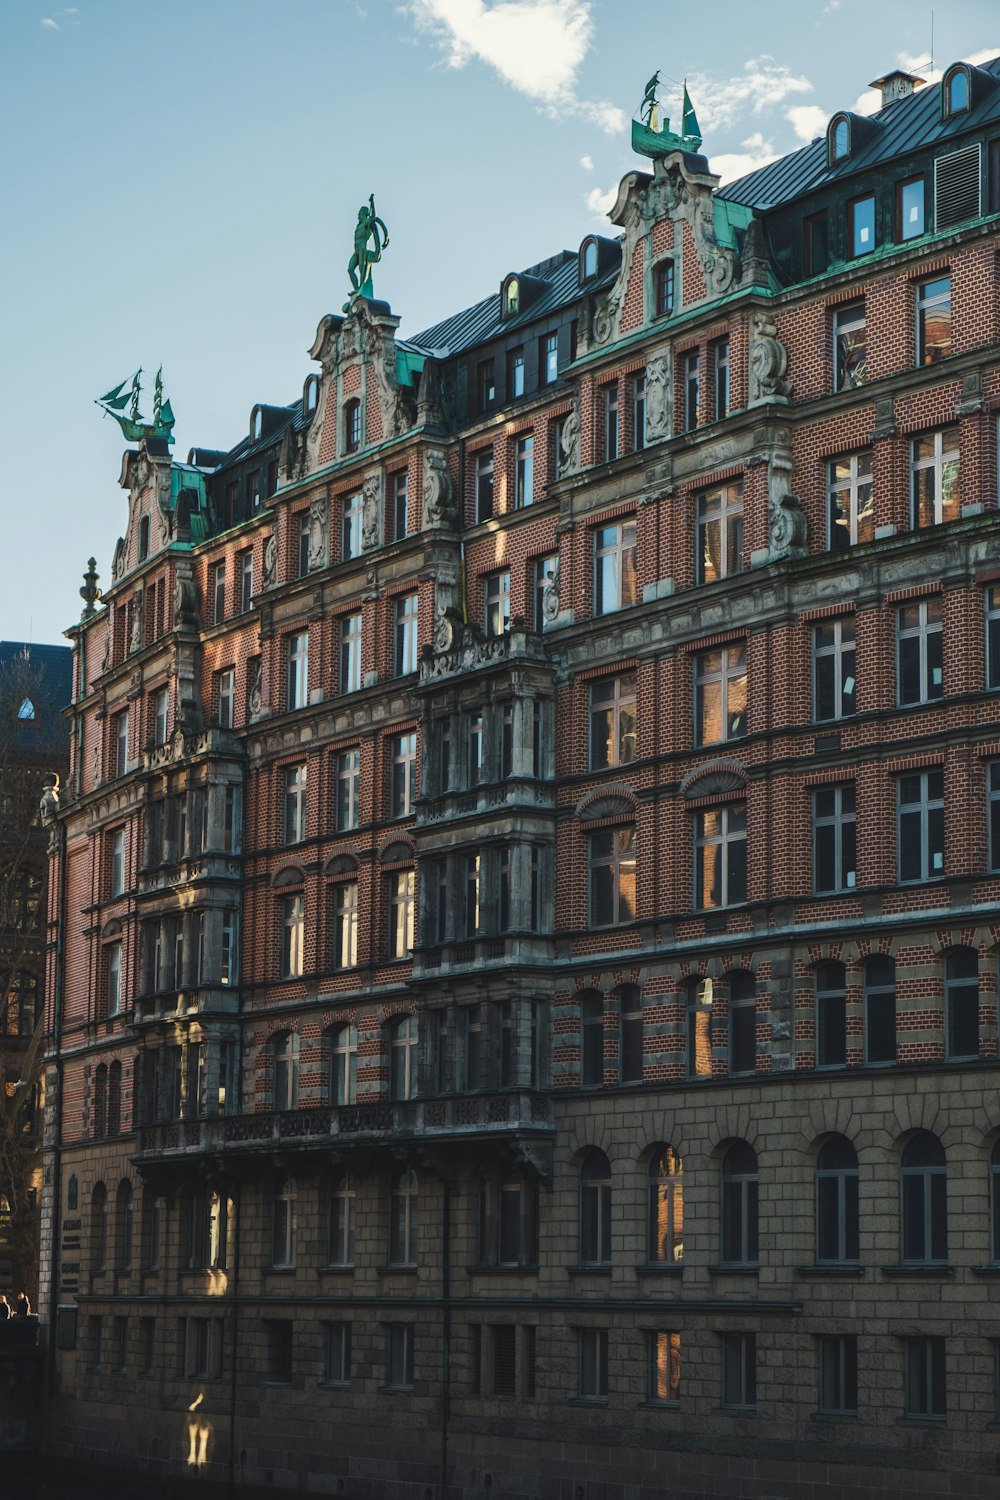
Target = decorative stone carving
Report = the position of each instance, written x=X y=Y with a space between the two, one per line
x=569 y=441
x=255 y=694
x=49 y=803
x=185 y=603
x=95 y=767
x=119 y=559
x=371 y=511
x=627 y=212
x=768 y=362
x=439 y=492
x=469 y=650
x=318 y=531
x=90 y=593
x=271 y=560
x=429 y=412
x=106 y=658
x=755 y=262
x=447 y=624
x=659 y=398
x=787 y=528
x=550 y=596
x=135 y=639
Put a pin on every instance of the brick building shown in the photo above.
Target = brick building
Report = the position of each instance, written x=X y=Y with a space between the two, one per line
x=528 y=964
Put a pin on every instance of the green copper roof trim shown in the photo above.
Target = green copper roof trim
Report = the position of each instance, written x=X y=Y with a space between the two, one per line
x=727 y=218
x=408 y=364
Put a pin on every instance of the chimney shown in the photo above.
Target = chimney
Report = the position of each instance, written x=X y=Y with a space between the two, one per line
x=896 y=85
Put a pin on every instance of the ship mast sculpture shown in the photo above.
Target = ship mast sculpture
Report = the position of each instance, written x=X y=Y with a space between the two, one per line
x=650 y=137
x=133 y=427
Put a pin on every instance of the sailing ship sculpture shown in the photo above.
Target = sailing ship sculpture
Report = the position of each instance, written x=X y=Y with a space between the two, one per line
x=652 y=138
x=133 y=427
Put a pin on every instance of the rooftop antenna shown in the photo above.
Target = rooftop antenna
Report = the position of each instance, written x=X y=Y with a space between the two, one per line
x=932 y=41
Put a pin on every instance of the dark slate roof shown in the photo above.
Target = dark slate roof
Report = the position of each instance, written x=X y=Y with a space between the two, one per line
x=482 y=322
x=899 y=129
x=50 y=670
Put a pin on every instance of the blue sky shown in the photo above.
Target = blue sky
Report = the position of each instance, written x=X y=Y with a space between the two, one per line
x=181 y=178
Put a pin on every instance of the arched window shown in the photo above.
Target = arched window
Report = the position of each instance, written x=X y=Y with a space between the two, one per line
x=403 y=1058
x=115 y=1098
x=837 y=1202
x=507 y=1221
x=742 y=1023
x=344 y=1064
x=961 y=1002
x=956 y=91
x=283 y=1225
x=739 y=1206
x=924 y=1201
x=256 y=424
x=124 y=1226
x=310 y=395
x=511 y=297
x=630 y=1034
x=995 y=1204
x=342 y=1198
x=101 y=1101
x=352 y=426
x=143 y=537
x=218 y=1231
x=666 y=1208
x=880 y=1010
x=591 y=1039
x=839 y=139
x=595 y=1210
x=831 y=1015
x=403 y=1219
x=588 y=260
x=99 y=1229
x=286 y=1070
x=699 y=1028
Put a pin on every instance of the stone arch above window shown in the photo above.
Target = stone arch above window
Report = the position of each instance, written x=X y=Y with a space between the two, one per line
x=111 y=929
x=340 y=864
x=715 y=779
x=608 y=802
x=398 y=852
x=288 y=875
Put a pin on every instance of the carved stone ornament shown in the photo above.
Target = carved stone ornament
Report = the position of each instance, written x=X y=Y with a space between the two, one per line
x=270 y=560
x=185 y=603
x=135 y=639
x=628 y=212
x=787 y=528
x=768 y=362
x=447 y=624
x=119 y=560
x=371 y=511
x=569 y=441
x=90 y=593
x=550 y=595
x=49 y=804
x=469 y=649
x=318 y=528
x=439 y=492
x=659 y=398
x=255 y=695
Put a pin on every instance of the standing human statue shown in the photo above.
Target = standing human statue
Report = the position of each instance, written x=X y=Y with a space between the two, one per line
x=368 y=227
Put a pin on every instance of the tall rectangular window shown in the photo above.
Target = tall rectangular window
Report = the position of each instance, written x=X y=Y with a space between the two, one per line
x=720 y=695
x=345 y=925
x=350 y=652
x=120 y=743
x=524 y=471
x=347 y=789
x=403 y=785
x=692 y=389
x=664 y=288
x=292 y=936
x=719 y=533
x=910 y=221
x=515 y=374
x=815 y=244
x=217 y=590
x=934 y=473
x=298 y=669
x=992 y=601
x=849 y=500
x=116 y=862
x=337 y=1354
x=399 y=1357
x=615 y=580
x=161 y=716
x=399 y=490
x=739 y=1370
x=637 y=390
x=592 y=1364
x=919 y=652
x=834 y=838
x=933 y=320
x=861 y=224
x=850 y=346
x=400 y=888
x=720 y=363
x=295 y=804
x=612 y=721
x=993 y=813
x=246 y=580
x=351 y=527
x=609 y=396
x=838 y=1375
x=484 y=484
x=833 y=670
x=612 y=877
x=229 y=958
x=720 y=841
x=232 y=820
x=113 y=957
x=664 y=1380
x=405 y=634
x=486 y=384
x=920 y=826
x=549 y=357
x=227 y=698
x=496 y=603
x=925 y=1378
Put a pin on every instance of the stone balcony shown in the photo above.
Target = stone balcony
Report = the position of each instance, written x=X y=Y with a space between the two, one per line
x=197 y=867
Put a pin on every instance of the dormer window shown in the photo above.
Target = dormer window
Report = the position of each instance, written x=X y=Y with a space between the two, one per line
x=956 y=89
x=588 y=260
x=256 y=424
x=839 y=139
x=310 y=395
x=510 y=297
x=352 y=426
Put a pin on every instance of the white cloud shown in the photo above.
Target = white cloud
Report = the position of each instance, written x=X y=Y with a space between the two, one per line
x=763 y=84
x=808 y=120
x=536 y=46
x=733 y=164
x=602 y=203
x=587 y=163
x=50 y=24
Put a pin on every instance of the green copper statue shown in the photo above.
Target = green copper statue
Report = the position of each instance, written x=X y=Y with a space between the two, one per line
x=360 y=265
x=133 y=426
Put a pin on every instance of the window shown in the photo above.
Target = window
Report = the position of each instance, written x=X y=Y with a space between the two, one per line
x=591 y=1039
x=298 y=669
x=484 y=484
x=99 y=1230
x=524 y=471
x=403 y=784
x=837 y=1239
x=831 y=1015
x=861 y=224
x=506 y=1221
x=119 y=1348
x=292 y=937
x=471 y=894
x=849 y=501
x=119 y=744
x=475 y=766
x=286 y=1071
x=352 y=426
x=699 y=1028
x=400 y=900
x=880 y=1010
x=663 y=281
x=486 y=384
x=295 y=804
x=615 y=582
x=143 y=538
x=337 y=1354
x=595 y=1210
x=910 y=220
x=739 y=1371
x=839 y=139
x=833 y=670
x=956 y=92
x=815 y=246
x=925 y=1378
x=609 y=399
x=351 y=526
x=405 y=634
x=515 y=374
x=961 y=1003
x=720 y=839
x=934 y=477
x=147 y=1346
x=720 y=695
x=342 y=1199
x=665 y=1209
x=637 y=389
x=742 y=1023
x=719 y=534
x=304 y=536
x=720 y=363
x=588 y=260
x=993 y=798
x=503 y=1338
x=838 y=1375
x=283 y=1225
x=350 y=652
x=739 y=1206
x=692 y=389
x=403 y=1219
x=923 y=1201
x=399 y=1357
x=549 y=357
x=834 y=838
x=227 y=698
x=217 y=591
x=920 y=826
x=592 y=1364
x=612 y=877
x=403 y=1058
x=850 y=346
x=630 y=1034
x=993 y=636
x=933 y=320
x=545 y=572
x=232 y=820
x=100 y=1101
x=229 y=954
x=161 y=716
x=116 y=862
x=612 y=722
x=496 y=603
x=663 y=1384
x=277 y=1350
x=919 y=652
x=995 y=1204
x=345 y=928
x=347 y=789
